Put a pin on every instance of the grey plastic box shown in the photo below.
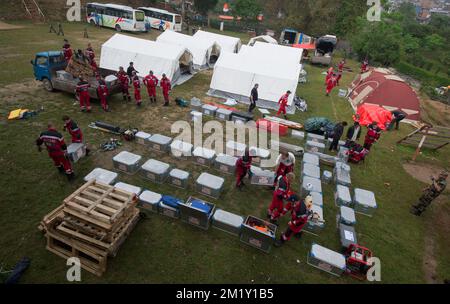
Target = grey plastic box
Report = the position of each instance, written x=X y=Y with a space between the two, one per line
x=155 y=170
x=209 y=110
x=227 y=221
x=102 y=176
x=342 y=196
x=257 y=238
x=203 y=156
x=311 y=184
x=311 y=159
x=142 y=138
x=209 y=185
x=225 y=163
x=346 y=216
x=196 y=116
x=342 y=154
x=179 y=178
x=327 y=177
x=342 y=174
x=298 y=134
x=315 y=138
x=314 y=146
x=317 y=198
x=223 y=114
x=195 y=216
x=196 y=104
x=365 y=202
x=327 y=260
x=181 y=149
x=169 y=211
x=315 y=227
x=127 y=162
x=347 y=235
x=259 y=154
x=262 y=177
x=129 y=188
x=160 y=143
x=330 y=141
x=149 y=201
x=75 y=151
x=311 y=170
x=235 y=148
x=277 y=146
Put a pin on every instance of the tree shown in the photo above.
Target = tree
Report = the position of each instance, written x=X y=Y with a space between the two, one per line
x=204 y=6
x=247 y=9
x=434 y=42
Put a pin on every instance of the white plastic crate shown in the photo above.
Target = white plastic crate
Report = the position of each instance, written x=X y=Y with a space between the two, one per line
x=317 y=198
x=342 y=196
x=160 y=142
x=102 y=176
x=149 y=201
x=225 y=163
x=127 y=162
x=327 y=177
x=196 y=116
x=316 y=226
x=235 y=148
x=365 y=202
x=311 y=170
x=129 y=188
x=314 y=146
x=311 y=184
x=142 y=138
x=342 y=174
x=347 y=235
x=315 y=138
x=259 y=154
x=203 y=156
x=227 y=221
x=181 y=149
x=347 y=216
x=298 y=134
x=327 y=260
x=311 y=159
x=210 y=185
x=223 y=114
x=209 y=110
x=75 y=151
x=155 y=170
x=179 y=178
x=262 y=177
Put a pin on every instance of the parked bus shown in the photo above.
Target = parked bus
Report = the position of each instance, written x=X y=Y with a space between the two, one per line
x=161 y=19
x=119 y=17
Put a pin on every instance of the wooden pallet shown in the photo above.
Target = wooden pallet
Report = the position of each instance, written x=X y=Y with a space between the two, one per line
x=48 y=221
x=99 y=204
x=112 y=245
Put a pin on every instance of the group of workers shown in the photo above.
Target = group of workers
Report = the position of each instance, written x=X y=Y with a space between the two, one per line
x=126 y=78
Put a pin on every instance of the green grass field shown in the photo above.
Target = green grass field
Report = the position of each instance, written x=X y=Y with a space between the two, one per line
x=162 y=250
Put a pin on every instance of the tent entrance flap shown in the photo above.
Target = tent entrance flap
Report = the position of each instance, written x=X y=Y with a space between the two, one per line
x=214 y=55
x=186 y=66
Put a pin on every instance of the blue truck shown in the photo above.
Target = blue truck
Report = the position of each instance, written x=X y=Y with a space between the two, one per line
x=49 y=67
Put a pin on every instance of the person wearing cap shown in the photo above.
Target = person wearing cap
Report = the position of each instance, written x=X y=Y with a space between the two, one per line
x=130 y=71
x=283 y=104
x=300 y=214
x=285 y=164
x=243 y=165
x=373 y=135
x=282 y=192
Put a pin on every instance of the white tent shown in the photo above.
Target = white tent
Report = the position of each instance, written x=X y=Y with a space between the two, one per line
x=205 y=52
x=279 y=54
x=236 y=74
x=226 y=43
x=174 y=61
x=263 y=38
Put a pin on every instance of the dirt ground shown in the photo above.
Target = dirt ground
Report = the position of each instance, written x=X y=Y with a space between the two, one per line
x=423 y=172
x=6 y=26
x=435 y=112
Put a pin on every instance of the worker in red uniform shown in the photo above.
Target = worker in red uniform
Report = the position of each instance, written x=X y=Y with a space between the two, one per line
x=137 y=88
x=329 y=74
x=67 y=50
x=243 y=165
x=82 y=91
x=90 y=54
x=331 y=84
x=340 y=71
x=285 y=164
x=102 y=93
x=74 y=131
x=373 y=134
x=57 y=150
x=300 y=214
x=151 y=82
x=281 y=193
x=283 y=104
x=364 y=66
x=124 y=83
x=166 y=88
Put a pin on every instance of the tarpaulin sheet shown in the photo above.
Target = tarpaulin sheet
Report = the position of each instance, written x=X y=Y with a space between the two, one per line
x=369 y=113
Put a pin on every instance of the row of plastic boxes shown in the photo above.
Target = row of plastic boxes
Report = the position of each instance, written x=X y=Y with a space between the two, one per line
x=220 y=113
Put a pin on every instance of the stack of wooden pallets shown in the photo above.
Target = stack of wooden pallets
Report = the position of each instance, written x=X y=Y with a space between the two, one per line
x=91 y=225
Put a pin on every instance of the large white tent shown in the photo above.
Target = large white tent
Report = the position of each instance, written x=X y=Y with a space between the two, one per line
x=275 y=68
x=174 y=61
x=263 y=38
x=205 y=52
x=226 y=43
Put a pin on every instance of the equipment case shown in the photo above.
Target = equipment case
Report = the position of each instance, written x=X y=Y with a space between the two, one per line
x=155 y=170
x=127 y=162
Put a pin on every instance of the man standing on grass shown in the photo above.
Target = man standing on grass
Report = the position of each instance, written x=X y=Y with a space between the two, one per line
x=102 y=93
x=130 y=71
x=283 y=104
x=82 y=91
x=373 y=135
x=331 y=83
x=151 y=82
x=67 y=50
x=337 y=134
x=124 y=83
x=137 y=89
x=57 y=150
x=166 y=87
x=253 y=98
x=353 y=134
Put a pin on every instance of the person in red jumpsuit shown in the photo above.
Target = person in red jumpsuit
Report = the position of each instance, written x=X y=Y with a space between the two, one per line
x=166 y=88
x=340 y=71
x=74 y=131
x=329 y=74
x=243 y=165
x=57 y=150
x=67 y=50
x=300 y=214
x=82 y=91
x=373 y=134
x=330 y=85
x=137 y=89
x=90 y=54
x=285 y=164
x=364 y=66
x=124 y=83
x=283 y=103
x=151 y=82
x=282 y=192
x=102 y=93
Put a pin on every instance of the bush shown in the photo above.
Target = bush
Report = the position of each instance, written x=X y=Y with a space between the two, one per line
x=428 y=78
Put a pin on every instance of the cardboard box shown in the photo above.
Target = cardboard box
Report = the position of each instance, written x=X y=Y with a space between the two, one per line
x=127 y=162
x=155 y=171
x=227 y=221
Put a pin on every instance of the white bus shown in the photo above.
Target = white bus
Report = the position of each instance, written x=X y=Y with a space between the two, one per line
x=119 y=17
x=161 y=19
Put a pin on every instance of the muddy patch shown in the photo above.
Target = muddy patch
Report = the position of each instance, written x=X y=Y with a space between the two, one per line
x=7 y=26
x=423 y=172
